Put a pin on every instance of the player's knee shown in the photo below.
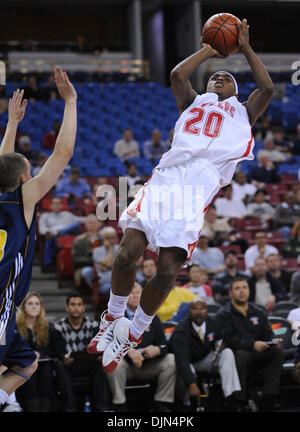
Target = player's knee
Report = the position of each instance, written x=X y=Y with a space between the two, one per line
x=164 y=279
x=125 y=259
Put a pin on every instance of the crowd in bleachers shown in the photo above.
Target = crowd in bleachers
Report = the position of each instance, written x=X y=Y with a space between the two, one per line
x=251 y=230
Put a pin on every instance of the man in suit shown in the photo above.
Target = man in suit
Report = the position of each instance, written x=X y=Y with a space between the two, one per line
x=194 y=345
x=247 y=332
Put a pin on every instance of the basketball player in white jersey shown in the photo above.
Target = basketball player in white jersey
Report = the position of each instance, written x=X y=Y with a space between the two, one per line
x=212 y=135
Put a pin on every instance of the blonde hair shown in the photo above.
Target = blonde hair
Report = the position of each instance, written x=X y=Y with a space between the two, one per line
x=40 y=328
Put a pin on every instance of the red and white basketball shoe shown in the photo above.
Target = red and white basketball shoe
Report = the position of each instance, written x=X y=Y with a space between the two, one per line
x=104 y=336
x=122 y=342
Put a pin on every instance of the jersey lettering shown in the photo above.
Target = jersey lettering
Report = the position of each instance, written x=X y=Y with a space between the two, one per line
x=3 y=238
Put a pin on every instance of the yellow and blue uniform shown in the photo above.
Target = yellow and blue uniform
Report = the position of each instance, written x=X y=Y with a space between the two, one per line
x=17 y=244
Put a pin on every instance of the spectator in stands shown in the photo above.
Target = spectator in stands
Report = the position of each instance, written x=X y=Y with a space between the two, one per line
x=3 y=100
x=154 y=148
x=194 y=343
x=49 y=92
x=36 y=394
x=262 y=129
x=139 y=277
x=49 y=139
x=296 y=191
x=265 y=171
x=77 y=330
x=259 y=208
x=170 y=139
x=280 y=143
x=274 y=267
x=297 y=363
x=103 y=258
x=132 y=174
x=74 y=186
x=265 y=290
x=260 y=249
x=234 y=238
x=286 y=214
x=149 y=361
x=241 y=189
x=213 y=227
x=42 y=159
x=32 y=91
x=58 y=222
x=247 y=332
x=296 y=143
x=222 y=280
x=127 y=147
x=227 y=207
x=178 y=297
x=82 y=251
x=25 y=149
x=197 y=283
x=295 y=287
x=291 y=249
x=275 y=155
x=149 y=269
x=210 y=259
x=294 y=317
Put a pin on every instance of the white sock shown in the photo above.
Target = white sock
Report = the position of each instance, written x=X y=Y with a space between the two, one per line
x=139 y=323
x=12 y=398
x=3 y=396
x=117 y=305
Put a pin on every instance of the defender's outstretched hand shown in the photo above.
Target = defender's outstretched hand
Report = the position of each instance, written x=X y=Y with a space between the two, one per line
x=64 y=85
x=16 y=107
x=243 y=33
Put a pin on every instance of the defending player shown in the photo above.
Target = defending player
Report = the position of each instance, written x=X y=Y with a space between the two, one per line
x=19 y=193
x=212 y=135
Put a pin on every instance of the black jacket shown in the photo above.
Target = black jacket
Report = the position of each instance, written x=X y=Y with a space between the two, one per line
x=276 y=286
x=239 y=331
x=55 y=347
x=188 y=347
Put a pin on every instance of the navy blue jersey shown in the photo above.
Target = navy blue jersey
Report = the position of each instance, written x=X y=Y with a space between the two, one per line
x=17 y=245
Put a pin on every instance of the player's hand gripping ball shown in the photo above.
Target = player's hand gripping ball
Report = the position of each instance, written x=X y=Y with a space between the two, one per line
x=221 y=31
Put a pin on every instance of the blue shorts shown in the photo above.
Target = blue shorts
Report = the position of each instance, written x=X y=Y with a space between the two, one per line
x=16 y=352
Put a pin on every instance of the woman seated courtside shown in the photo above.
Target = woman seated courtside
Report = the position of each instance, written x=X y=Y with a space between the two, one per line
x=35 y=395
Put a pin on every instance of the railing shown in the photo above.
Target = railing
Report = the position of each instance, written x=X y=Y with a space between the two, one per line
x=39 y=62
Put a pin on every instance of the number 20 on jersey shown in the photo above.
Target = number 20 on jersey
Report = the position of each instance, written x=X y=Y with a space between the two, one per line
x=212 y=123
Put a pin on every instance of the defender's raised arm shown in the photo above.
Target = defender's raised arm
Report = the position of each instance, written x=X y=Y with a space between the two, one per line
x=37 y=187
x=16 y=111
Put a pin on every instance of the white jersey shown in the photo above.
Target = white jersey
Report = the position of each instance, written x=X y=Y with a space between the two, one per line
x=218 y=133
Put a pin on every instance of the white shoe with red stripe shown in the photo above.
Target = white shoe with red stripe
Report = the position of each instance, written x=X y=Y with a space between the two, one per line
x=104 y=336
x=122 y=342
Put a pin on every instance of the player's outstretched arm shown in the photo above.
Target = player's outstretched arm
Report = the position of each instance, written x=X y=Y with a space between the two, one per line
x=260 y=97
x=37 y=187
x=180 y=75
x=16 y=111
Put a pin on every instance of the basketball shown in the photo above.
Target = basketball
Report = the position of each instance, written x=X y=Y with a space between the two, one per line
x=222 y=33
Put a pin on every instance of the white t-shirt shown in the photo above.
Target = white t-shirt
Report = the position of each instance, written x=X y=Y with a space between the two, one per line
x=240 y=191
x=252 y=253
x=294 y=315
x=230 y=208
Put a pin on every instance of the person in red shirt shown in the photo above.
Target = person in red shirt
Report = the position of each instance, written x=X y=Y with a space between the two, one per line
x=50 y=137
